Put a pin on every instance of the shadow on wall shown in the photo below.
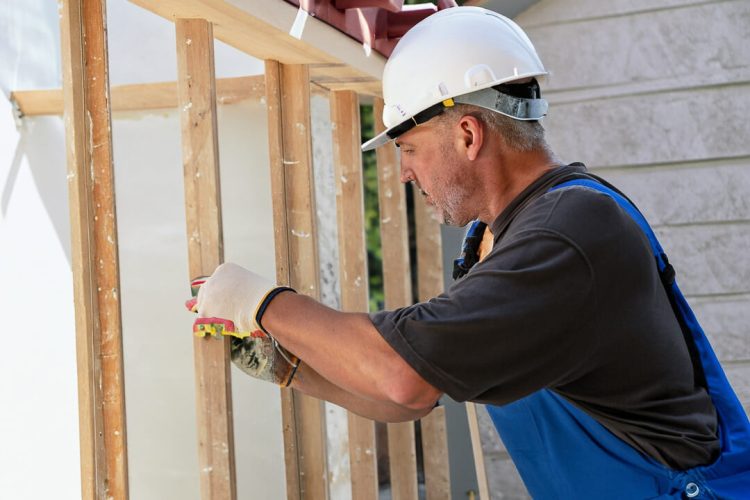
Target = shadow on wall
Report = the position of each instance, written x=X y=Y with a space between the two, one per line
x=42 y=142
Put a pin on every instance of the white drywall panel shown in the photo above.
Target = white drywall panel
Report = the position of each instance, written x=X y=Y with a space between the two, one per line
x=158 y=353
x=38 y=386
x=38 y=366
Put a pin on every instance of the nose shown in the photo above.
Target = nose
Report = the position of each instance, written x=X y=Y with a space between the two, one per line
x=406 y=174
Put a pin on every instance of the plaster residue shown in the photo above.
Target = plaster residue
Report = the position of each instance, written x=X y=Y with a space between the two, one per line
x=339 y=472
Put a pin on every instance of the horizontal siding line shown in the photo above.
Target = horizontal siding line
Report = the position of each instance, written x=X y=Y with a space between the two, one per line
x=615 y=15
x=723 y=222
x=717 y=298
x=626 y=92
x=735 y=362
x=740 y=161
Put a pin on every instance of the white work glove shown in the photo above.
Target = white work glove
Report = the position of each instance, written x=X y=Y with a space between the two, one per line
x=233 y=292
x=239 y=295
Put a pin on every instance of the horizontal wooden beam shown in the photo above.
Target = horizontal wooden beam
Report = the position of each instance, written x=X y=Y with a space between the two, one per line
x=140 y=97
x=277 y=30
x=339 y=77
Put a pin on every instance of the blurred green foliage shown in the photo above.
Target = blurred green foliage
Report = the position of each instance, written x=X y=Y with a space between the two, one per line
x=372 y=211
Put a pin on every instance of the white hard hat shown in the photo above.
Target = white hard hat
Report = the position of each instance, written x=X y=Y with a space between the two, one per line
x=456 y=56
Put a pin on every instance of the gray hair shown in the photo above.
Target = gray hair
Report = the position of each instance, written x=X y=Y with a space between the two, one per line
x=518 y=135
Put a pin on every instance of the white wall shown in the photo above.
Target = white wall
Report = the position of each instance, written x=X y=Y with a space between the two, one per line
x=38 y=394
x=38 y=400
x=654 y=96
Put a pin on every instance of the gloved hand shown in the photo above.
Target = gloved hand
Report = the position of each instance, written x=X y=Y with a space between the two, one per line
x=241 y=296
x=232 y=292
x=264 y=358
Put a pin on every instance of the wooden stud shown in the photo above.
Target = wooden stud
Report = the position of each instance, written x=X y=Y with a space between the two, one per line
x=197 y=99
x=476 y=447
x=297 y=263
x=394 y=230
x=96 y=281
x=429 y=250
x=350 y=214
x=402 y=455
x=435 y=455
x=394 y=236
x=142 y=96
x=430 y=284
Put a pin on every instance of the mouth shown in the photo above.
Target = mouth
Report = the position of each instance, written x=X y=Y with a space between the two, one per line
x=426 y=197
x=424 y=193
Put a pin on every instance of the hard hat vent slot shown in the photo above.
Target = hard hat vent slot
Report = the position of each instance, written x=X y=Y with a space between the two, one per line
x=478 y=75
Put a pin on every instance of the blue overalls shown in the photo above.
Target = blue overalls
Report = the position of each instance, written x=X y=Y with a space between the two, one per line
x=563 y=453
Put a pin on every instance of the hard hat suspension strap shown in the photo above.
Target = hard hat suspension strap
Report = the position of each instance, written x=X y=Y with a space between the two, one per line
x=520 y=108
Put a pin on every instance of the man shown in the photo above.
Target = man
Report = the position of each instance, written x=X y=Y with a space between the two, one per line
x=566 y=329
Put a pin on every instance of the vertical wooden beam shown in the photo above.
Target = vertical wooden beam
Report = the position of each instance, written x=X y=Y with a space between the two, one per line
x=430 y=284
x=290 y=428
x=476 y=447
x=437 y=474
x=350 y=215
x=297 y=263
x=95 y=262
x=394 y=235
x=430 y=281
x=200 y=154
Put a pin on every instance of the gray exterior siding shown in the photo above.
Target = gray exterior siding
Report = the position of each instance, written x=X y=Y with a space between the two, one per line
x=655 y=97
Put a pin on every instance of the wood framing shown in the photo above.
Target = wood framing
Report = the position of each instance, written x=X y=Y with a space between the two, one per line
x=197 y=98
x=297 y=263
x=430 y=284
x=281 y=32
x=139 y=97
x=350 y=215
x=437 y=474
x=476 y=447
x=299 y=52
x=394 y=237
x=96 y=281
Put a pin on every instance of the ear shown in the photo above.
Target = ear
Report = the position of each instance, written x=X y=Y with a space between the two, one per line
x=472 y=136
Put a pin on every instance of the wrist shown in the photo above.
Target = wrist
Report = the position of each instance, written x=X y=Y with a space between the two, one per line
x=262 y=306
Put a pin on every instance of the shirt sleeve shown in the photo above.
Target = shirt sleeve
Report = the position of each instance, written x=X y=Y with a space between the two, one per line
x=505 y=330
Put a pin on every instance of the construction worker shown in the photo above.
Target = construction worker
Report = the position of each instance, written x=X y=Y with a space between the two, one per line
x=596 y=375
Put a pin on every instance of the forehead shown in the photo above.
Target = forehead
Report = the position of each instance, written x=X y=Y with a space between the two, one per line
x=419 y=134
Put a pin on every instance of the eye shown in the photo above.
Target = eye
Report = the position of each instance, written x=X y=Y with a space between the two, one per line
x=405 y=148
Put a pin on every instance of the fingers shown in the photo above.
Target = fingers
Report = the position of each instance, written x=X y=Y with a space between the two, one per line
x=192 y=304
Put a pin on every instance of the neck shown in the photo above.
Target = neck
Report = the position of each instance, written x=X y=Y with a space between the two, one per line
x=509 y=174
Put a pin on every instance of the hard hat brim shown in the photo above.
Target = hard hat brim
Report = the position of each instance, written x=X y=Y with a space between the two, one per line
x=377 y=141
